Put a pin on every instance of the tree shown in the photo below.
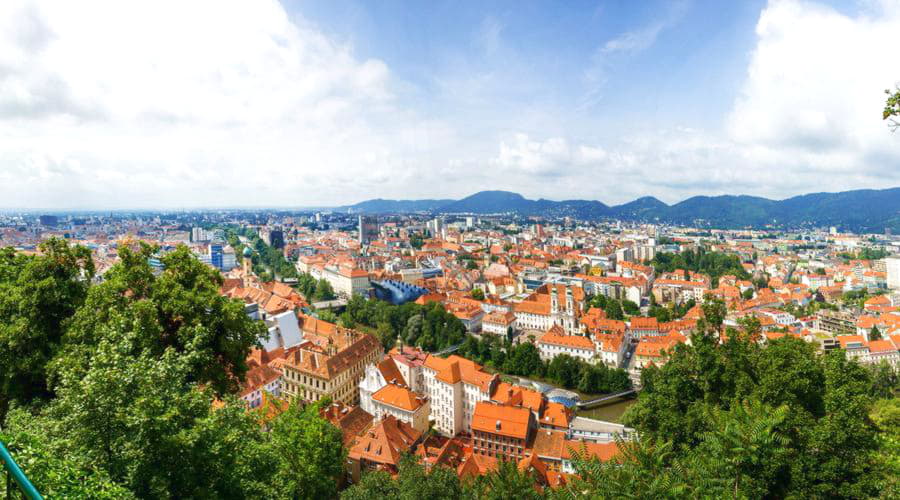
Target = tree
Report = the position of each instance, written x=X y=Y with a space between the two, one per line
x=38 y=296
x=142 y=422
x=830 y=443
x=309 y=452
x=524 y=359
x=874 y=334
x=386 y=335
x=412 y=482
x=477 y=294
x=57 y=475
x=839 y=459
x=415 y=483
x=886 y=416
x=181 y=308
x=885 y=380
x=564 y=370
x=892 y=108
x=630 y=308
x=642 y=469
x=507 y=482
x=373 y=485
x=327 y=315
x=746 y=455
x=613 y=310
x=324 y=290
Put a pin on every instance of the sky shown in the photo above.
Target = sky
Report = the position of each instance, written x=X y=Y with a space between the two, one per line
x=223 y=103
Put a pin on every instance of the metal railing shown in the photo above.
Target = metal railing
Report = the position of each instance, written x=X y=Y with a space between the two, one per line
x=14 y=473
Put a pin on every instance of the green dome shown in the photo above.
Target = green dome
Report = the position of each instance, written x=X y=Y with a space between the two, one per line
x=247 y=252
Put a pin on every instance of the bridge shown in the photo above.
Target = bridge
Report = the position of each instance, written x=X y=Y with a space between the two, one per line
x=15 y=475
x=448 y=350
x=608 y=397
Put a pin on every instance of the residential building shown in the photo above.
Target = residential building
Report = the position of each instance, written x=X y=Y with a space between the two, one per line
x=835 y=322
x=455 y=385
x=498 y=323
x=555 y=342
x=381 y=447
x=501 y=431
x=892 y=270
x=403 y=404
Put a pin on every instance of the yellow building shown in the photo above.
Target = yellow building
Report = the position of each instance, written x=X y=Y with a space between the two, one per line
x=329 y=362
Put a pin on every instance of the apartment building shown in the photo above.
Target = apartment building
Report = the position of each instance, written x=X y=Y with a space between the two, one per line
x=655 y=349
x=555 y=342
x=643 y=327
x=607 y=348
x=455 y=385
x=403 y=404
x=501 y=431
x=835 y=322
x=344 y=279
x=498 y=323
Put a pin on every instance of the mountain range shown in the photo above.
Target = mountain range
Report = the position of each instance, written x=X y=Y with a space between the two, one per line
x=864 y=210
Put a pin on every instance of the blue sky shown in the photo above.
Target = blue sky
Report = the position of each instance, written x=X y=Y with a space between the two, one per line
x=678 y=62
x=309 y=102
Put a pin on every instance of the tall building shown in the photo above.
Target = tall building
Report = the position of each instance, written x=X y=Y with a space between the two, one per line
x=48 y=220
x=892 y=268
x=198 y=234
x=368 y=229
x=435 y=227
x=216 y=255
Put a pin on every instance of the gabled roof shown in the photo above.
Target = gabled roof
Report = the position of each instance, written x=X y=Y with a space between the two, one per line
x=390 y=372
x=644 y=323
x=502 y=420
x=385 y=442
x=351 y=420
x=455 y=368
x=398 y=397
x=555 y=336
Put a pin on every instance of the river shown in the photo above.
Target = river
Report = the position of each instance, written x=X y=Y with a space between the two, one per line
x=611 y=412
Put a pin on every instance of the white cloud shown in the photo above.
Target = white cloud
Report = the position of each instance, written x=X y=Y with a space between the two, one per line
x=212 y=103
x=814 y=90
x=633 y=41
x=192 y=103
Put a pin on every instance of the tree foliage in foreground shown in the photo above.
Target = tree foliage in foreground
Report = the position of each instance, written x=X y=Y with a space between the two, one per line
x=823 y=444
x=38 y=296
x=131 y=381
x=181 y=309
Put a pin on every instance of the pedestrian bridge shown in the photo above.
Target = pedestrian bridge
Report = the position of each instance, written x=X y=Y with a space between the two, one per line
x=603 y=399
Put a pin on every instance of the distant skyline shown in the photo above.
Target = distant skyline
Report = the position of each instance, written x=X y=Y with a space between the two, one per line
x=326 y=103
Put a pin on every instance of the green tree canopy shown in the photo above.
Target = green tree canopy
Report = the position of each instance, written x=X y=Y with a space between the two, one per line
x=38 y=296
x=181 y=308
x=310 y=453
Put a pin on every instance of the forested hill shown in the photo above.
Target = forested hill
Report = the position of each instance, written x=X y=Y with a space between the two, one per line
x=865 y=210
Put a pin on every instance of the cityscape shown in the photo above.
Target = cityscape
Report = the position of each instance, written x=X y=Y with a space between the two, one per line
x=181 y=323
